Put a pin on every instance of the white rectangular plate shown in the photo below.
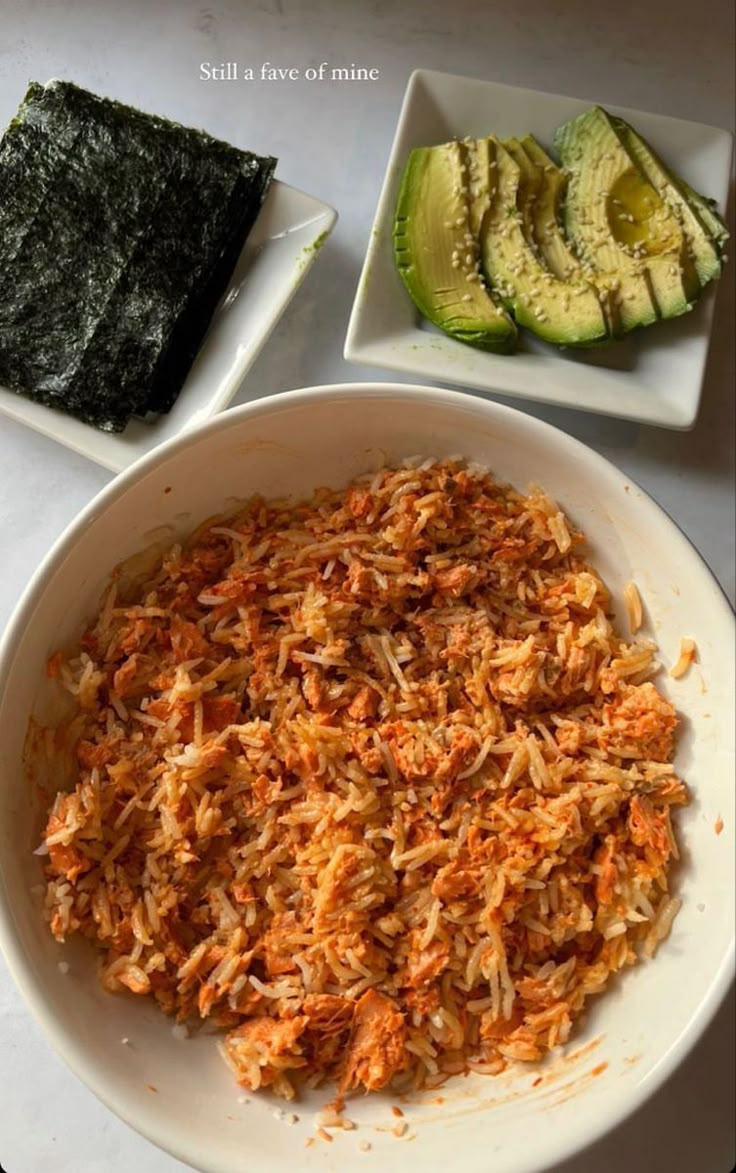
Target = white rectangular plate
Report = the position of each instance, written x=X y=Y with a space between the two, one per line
x=277 y=255
x=654 y=376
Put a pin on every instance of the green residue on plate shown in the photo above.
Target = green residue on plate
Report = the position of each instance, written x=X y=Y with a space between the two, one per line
x=316 y=244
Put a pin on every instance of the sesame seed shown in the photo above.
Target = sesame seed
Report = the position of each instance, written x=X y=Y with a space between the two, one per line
x=125 y=1041
x=468 y=258
x=467 y=297
x=364 y=1146
x=63 y=966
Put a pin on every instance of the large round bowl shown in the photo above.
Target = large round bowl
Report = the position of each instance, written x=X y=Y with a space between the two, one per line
x=633 y=1036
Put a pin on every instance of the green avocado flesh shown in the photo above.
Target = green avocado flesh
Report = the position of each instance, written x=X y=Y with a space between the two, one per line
x=490 y=233
x=549 y=190
x=437 y=253
x=708 y=213
x=703 y=248
x=559 y=307
x=619 y=223
x=118 y=234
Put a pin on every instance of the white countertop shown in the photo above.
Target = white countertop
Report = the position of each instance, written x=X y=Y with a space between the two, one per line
x=333 y=140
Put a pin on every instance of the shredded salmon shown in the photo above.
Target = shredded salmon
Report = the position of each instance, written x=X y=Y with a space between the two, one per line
x=376 y=1050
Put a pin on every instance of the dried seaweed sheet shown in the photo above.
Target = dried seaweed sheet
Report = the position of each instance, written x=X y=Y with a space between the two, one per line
x=118 y=234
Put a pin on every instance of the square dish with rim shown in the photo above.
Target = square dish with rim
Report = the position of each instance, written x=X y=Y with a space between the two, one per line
x=654 y=376
x=279 y=252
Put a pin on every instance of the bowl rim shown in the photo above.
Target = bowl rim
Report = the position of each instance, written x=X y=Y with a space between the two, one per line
x=146 y=1122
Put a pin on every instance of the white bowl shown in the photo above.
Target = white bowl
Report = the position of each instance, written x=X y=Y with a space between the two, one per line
x=634 y=1035
x=654 y=375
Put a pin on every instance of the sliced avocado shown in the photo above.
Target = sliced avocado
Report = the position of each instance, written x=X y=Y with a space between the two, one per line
x=549 y=190
x=481 y=182
x=529 y=187
x=703 y=249
x=542 y=184
x=708 y=212
x=563 y=312
x=437 y=254
x=619 y=224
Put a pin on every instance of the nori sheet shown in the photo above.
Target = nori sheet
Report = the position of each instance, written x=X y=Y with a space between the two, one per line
x=119 y=231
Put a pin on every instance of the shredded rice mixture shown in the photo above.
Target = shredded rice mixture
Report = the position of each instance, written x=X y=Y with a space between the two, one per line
x=370 y=782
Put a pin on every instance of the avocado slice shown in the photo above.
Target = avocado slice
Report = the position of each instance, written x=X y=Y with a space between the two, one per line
x=436 y=252
x=481 y=182
x=541 y=190
x=529 y=190
x=708 y=212
x=549 y=191
x=564 y=312
x=620 y=225
x=703 y=248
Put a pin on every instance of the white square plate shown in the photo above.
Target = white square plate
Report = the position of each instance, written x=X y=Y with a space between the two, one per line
x=277 y=255
x=654 y=376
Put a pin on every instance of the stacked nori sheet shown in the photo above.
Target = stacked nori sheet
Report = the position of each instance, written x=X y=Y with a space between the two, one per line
x=118 y=234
